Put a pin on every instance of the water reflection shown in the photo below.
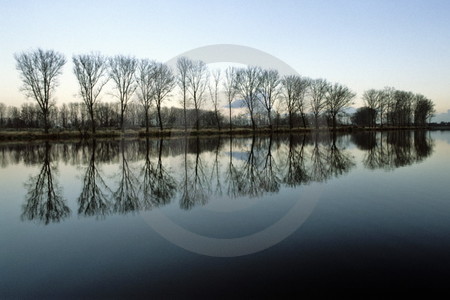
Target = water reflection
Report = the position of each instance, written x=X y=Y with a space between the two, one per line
x=393 y=149
x=152 y=173
x=44 y=201
x=94 y=198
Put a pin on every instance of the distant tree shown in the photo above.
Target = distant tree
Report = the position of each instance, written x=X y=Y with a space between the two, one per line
x=197 y=82
x=39 y=71
x=423 y=110
x=145 y=87
x=294 y=91
x=90 y=70
x=317 y=93
x=121 y=71
x=184 y=64
x=269 y=83
x=247 y=85
x=2 y=114
x=230 y=89
x=337 y=98
x=364 y=116
x=213 y=88
x=372 y=101
x=164 y=82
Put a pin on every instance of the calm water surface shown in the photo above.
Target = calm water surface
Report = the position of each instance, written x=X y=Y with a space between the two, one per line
x=220 y=217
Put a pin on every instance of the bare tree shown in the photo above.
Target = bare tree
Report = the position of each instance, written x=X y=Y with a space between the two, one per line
x=121 y=71
x=423 y=110
x=247 y=85
x=39 y=71
x=90 y=70
x=294 y=90
x=163 y=84
x=270 y=80
x=184 y=64
x=371 y=99
x=338 y=97
x=317 y=93
x=213 y=88
x=2 y=114
x=145 y=86
x=229 y=85
x=197 y=82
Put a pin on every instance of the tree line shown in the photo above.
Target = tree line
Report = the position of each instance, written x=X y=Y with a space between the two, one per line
x=143 y=87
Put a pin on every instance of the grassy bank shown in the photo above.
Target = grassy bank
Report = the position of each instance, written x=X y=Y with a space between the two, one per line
x=57 y=134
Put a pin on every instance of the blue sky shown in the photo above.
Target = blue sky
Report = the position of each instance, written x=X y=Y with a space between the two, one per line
x=362 y=44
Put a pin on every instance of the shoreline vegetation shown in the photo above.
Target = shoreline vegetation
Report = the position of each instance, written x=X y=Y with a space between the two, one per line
x=65 y=134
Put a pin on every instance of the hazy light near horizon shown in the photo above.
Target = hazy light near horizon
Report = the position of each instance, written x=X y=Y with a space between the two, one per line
x=362 y=44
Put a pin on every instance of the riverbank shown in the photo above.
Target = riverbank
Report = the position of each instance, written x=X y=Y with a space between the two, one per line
x=60 y=134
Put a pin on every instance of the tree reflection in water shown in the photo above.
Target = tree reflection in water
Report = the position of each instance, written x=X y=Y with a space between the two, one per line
x=237 y=167
x=94 y=198
x=44 y=201
x=158 y=187
x=126 y=197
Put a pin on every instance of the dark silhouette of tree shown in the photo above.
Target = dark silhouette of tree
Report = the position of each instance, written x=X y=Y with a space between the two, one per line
x=294 y=91
x=197 y=78
x=158 y=187
x=39 y=71
x=122 y=72
x=317 y=92
x=94 y=198
x=213 y=88
x=269 y=88
x=372 y=101
x=230 y=89
x=423 y=110
x=126 y=196
x=184 y=64
x=364 y=116
x=337 y=98
x=163 y=84
x=145 y=86
x=247 y=86
x=90 y=70
x=44 y=201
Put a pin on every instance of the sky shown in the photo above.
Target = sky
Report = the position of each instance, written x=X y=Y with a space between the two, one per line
x=362 y=44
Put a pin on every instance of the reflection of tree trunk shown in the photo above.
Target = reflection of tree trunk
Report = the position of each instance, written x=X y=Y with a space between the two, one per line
x=196 y=184
x=93 y=200
x=44 y=201
x=215 y=170
x=269 y=179
x=126 y=199
x=157 y=187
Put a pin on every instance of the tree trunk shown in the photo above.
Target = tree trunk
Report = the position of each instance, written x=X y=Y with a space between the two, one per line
x=46 y=121
x=291 y=121
x=303 y=120
x=159 y=118
x=146 y=121
x=197 y=119
x=231 y=126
